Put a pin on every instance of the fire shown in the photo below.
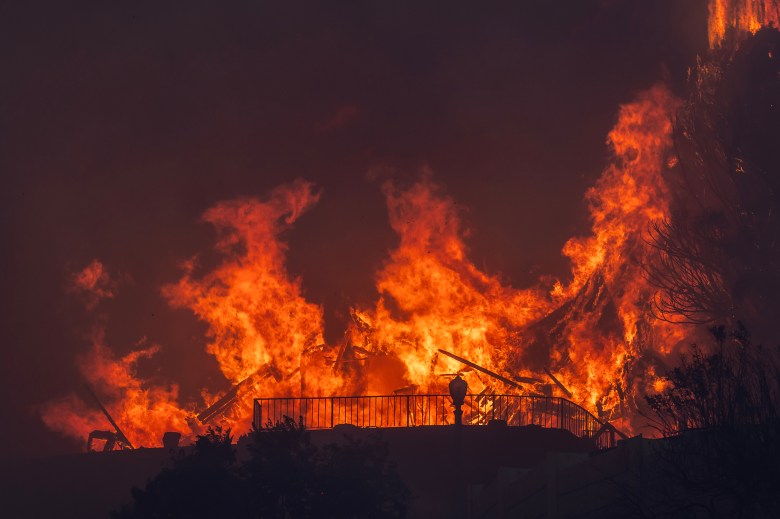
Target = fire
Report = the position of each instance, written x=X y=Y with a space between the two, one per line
x=267 y=337
x=93 y=283
x=256 y=315
x=262 y=330
x=742 y=16
x=593 y=331
x=144 y=409
x=433 y=297
x=259 y=322
x=606 y=266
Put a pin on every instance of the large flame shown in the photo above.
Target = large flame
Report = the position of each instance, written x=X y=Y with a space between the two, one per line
x=594 y=330
x=596 y=357
x=433 y=297
x=256 y=314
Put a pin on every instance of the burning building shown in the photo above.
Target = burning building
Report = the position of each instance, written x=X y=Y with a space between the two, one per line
x=592 y=337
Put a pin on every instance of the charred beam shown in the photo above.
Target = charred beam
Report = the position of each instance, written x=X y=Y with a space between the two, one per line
x=227 y=400
x=221 y=405
x=514 y=383
x=558 y=383
x=119 y=434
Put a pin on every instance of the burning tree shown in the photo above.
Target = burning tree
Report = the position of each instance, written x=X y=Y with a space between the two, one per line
x=720 y=247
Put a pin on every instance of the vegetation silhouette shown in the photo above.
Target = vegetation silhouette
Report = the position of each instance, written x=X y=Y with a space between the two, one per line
x=720 y=248
x=283 y=475
x=721 y=415
x=720 y=418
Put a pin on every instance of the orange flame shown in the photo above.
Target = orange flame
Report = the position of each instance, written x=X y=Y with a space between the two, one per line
x=596 y=358
x=433 y=297
x=144 y=410
x=594 y=332
x=256 y=315
x=742 y=15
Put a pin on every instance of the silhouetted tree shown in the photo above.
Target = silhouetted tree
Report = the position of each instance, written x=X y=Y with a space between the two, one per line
x=287 y=476
x=280 y=477
x=720 y=249
x=284 y=476
x=202 y=483
x=720 y=415
x=357 y=481
x=735 y=383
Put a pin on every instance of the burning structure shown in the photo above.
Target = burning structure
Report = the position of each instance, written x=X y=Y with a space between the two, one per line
x=593 y=337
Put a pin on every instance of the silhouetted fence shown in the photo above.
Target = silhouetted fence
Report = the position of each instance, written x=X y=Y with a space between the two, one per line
x=417 y=410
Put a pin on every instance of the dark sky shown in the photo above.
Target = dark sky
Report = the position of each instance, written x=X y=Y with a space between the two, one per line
x=121 y=122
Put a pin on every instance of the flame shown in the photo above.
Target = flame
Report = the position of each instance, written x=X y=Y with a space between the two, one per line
x=594 y=330
x=256 y=315
x=259 y=322
x=93 y=283
x=742 y=15
x=144 y=410
x=433 y=297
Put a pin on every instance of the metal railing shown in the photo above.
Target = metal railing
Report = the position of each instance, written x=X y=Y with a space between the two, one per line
x=416 y=410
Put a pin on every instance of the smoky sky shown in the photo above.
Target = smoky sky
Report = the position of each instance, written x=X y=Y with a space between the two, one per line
x=122 y=122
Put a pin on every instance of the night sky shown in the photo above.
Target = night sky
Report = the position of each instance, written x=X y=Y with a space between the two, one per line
x=122 y=122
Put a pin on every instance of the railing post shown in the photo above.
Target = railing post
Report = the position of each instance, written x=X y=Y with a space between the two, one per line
x=258 y=414
x=385 y=411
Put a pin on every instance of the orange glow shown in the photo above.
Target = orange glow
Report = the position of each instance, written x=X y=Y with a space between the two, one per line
x=433 y=297
x=263 y=331
x=93 y=283
x=265 y=334
x=742 y=15
x=594 y=330
x=144 y=410
x=259 y=323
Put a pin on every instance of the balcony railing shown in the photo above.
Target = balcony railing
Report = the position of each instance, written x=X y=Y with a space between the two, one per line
x=417 y=410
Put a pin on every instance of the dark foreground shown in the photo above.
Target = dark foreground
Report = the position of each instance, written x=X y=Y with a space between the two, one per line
x=444 y=467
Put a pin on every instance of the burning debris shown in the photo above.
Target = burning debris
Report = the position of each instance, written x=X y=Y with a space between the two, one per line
x=515 y=383
x=593 y=335
x=437 y=311
x=112 y=439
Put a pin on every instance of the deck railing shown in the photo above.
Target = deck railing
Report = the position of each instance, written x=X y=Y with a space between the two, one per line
x=416 y=410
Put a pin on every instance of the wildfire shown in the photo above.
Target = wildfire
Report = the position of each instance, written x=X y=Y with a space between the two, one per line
x=593 y=332
x=267 y=339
